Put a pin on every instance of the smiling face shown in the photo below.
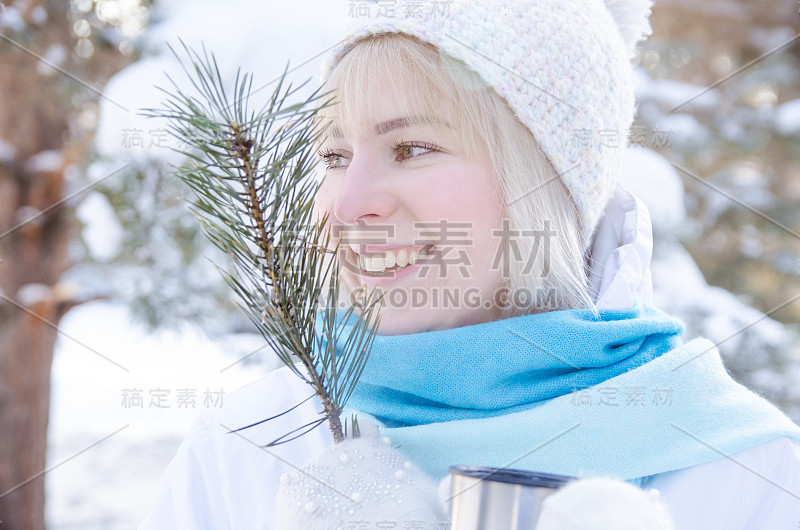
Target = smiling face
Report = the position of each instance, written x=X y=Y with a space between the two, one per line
x=416 y=211
x=443 y=199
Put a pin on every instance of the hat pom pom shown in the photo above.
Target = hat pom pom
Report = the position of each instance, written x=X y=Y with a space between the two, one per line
x=633 y=20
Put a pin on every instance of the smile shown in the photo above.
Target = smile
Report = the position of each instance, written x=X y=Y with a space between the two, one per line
x=392 y=260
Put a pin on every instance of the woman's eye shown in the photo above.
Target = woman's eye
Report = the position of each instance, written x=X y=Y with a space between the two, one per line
x=334 y=160
x=407 y=151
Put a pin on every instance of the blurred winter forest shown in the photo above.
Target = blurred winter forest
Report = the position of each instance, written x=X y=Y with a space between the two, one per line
x=109 y=297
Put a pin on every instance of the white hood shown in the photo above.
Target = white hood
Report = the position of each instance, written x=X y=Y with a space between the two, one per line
x=620 y=254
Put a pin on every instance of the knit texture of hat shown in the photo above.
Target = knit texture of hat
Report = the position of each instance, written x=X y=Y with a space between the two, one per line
x=563 y=66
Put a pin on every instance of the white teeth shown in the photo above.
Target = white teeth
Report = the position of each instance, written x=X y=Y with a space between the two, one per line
x=402 y=258
x=368 y=263
x=388 y=260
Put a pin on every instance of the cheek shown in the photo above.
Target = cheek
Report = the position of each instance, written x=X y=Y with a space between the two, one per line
x=476 y=199
x=467 y=197
x=464 y=194
x=323 y=202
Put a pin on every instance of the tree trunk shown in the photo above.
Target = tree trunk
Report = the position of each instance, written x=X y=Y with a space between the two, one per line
x=26 y=351
x=33 y=258
x=35 y=111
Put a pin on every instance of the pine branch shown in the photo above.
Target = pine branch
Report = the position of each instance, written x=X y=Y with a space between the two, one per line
x=251 y=172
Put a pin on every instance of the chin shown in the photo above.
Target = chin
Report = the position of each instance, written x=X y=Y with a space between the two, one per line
x=405 y=322
x=402 y=322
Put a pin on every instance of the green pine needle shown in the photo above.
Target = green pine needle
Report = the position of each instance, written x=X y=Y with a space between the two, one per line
x=251 y=172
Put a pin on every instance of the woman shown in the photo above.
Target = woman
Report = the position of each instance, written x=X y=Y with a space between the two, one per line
x=462 y=183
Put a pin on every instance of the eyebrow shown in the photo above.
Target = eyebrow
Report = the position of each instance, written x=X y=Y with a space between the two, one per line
x=398 y=123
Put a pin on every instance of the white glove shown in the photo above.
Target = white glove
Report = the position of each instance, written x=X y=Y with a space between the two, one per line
x=359 y=482
x=603 y=504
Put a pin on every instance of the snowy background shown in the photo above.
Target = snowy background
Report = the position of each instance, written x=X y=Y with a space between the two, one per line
x=116 y=381
x=124 y=394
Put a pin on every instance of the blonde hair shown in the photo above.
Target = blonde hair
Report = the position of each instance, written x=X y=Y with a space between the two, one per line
x=536 y=203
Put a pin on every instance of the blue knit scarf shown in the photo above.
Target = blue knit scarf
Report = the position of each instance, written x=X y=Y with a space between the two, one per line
x=563 y=392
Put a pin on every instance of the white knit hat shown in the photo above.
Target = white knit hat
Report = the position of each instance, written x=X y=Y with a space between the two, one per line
x=562 y=65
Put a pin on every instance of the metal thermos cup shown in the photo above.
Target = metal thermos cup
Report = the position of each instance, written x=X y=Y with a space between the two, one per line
x=487 y=498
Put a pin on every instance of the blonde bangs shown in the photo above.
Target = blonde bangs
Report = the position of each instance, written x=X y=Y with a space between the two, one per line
x=423 y=82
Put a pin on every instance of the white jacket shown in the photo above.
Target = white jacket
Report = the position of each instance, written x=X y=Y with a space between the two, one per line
x=220 y=480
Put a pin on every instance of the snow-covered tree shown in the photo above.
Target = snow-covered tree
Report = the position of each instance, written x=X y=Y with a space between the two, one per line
x=718 y=89
x=50 y=66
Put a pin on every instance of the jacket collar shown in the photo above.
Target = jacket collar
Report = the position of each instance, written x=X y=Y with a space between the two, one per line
x=621 y=251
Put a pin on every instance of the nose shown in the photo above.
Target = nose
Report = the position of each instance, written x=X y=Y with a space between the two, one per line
x=364 y=195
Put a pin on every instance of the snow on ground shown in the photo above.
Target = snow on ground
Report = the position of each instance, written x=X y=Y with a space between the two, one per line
x=110 y=448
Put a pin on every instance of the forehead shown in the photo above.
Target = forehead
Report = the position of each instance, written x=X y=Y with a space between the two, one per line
x=384 y=127
x=378 y=94
x=380 y=110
